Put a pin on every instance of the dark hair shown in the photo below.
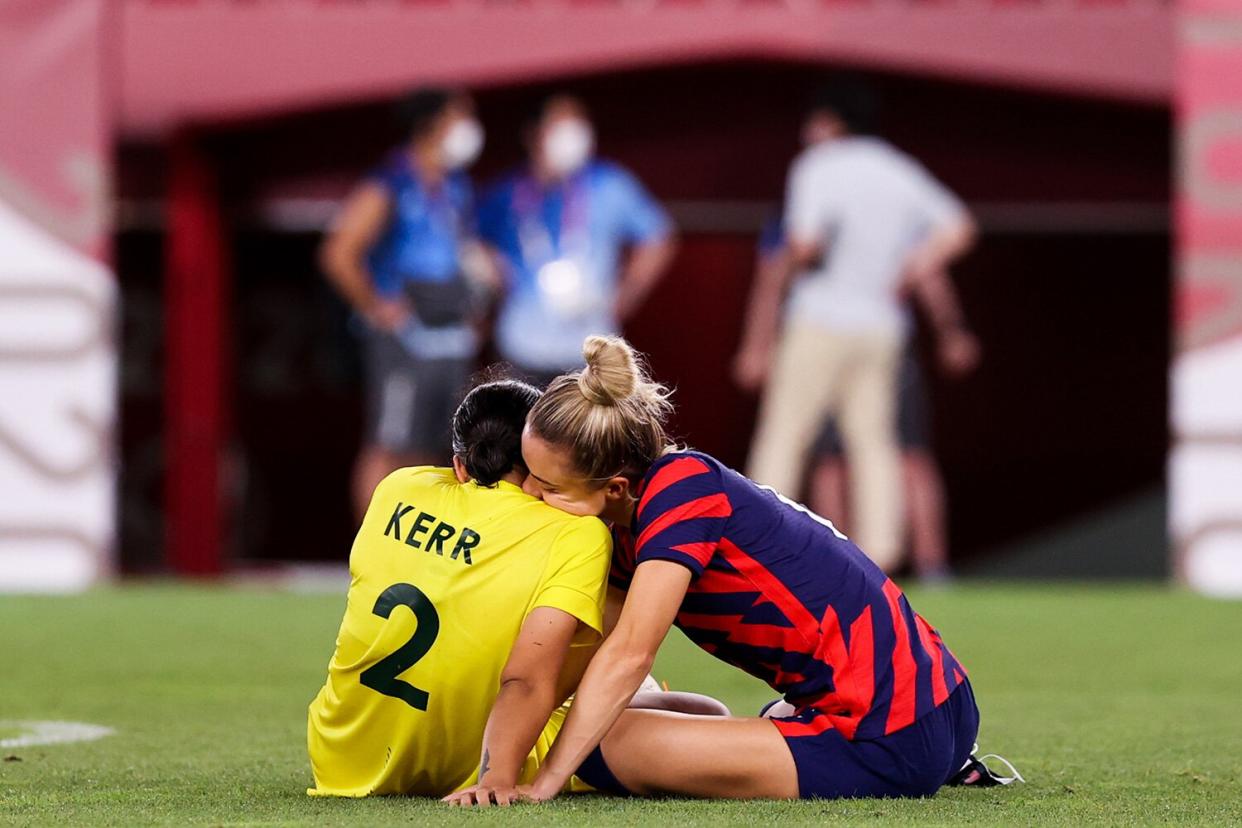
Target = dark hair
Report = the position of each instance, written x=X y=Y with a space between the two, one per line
x=487 y=429
x=851 y=99
x=556 y=100
x=416 y=113
x=550 y=101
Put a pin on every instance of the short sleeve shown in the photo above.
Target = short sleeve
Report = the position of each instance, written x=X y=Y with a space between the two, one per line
x=804 y=204
x=682 y=514
x=936 y=204
x=642 y=219
x=575 y=581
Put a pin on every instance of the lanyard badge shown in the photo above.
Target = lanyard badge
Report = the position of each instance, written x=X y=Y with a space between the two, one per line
x=562 y=279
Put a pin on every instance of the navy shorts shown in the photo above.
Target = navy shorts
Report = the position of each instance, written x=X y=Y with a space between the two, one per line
x=915 y=761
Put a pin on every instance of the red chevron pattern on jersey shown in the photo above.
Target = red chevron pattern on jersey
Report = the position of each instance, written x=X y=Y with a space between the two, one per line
x=781 y=594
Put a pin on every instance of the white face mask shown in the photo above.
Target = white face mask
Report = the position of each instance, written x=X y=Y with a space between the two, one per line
x=462 y=143
x=567 y=145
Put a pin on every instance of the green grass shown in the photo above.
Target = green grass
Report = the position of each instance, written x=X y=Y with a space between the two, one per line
x=1120 y=704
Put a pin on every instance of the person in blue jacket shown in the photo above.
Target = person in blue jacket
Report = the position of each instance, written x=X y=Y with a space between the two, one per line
x=580 y=242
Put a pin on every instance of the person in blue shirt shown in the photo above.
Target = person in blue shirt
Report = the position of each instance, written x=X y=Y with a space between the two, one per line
x=399 y=253
x=561 y=228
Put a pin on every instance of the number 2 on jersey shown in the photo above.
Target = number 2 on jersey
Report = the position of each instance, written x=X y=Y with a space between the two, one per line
x=382 y=676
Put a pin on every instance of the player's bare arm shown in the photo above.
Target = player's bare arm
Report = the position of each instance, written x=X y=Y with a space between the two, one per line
x=613 y=677
x=529 y=692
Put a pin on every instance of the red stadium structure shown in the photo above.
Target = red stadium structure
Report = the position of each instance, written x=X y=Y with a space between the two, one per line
x=236 y=123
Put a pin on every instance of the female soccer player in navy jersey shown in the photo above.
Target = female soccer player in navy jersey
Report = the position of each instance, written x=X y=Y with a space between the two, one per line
x=877 y=704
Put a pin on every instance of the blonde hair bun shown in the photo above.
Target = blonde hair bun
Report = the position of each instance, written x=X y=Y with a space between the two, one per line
x=610 y=414
x=612 y=373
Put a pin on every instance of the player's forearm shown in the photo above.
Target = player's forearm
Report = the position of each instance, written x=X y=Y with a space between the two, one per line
x=519 y=715
x=647 y=263
x=611 y=680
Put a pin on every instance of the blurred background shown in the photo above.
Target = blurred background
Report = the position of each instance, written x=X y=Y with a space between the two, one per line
x=183 y=392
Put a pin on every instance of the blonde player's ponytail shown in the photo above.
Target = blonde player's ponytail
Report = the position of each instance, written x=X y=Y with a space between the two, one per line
x=610 y=414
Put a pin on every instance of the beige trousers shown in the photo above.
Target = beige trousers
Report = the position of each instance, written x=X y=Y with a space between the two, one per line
x=852 y=377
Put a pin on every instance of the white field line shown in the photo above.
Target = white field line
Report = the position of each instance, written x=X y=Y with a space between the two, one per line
x=51 y=733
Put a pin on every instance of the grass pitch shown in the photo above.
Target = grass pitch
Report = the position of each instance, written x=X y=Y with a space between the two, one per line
x=1120 y=705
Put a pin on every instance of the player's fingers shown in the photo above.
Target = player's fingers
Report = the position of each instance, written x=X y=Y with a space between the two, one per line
x=483 y=798
x=502 y=799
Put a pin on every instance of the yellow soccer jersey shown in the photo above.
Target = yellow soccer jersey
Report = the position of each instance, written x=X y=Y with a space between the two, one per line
x=443 y=575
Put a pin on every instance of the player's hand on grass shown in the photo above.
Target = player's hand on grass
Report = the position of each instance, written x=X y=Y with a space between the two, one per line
x=544 y=787
x=484 y=796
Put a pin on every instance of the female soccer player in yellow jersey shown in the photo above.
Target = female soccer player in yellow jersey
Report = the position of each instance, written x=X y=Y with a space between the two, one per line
x=468 y=613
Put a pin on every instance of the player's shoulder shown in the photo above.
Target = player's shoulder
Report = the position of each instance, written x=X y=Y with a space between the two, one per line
x=569 y=537
x=683 y=474
x=686 y=459
x=566 y=524
x=534 y=515
x=412 y=478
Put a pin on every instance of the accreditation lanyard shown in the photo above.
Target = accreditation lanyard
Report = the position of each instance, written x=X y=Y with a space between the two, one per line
x=538 y=245
x=444 y=218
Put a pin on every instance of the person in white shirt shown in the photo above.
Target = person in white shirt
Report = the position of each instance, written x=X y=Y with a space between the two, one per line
x=866 y=224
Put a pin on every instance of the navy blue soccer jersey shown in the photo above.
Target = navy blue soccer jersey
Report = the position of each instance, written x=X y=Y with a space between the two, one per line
x=778 y=592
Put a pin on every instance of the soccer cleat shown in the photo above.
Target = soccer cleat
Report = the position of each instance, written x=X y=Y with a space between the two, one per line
x=976 y=774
